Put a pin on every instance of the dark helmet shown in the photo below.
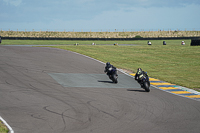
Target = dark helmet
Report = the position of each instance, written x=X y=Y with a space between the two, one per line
x=139 y=69
x=108 y=64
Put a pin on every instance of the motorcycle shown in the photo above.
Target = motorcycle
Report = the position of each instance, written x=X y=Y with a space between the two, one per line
x=144 y=82
x=113 y=75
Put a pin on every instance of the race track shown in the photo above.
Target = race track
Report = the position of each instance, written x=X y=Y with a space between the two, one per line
x=46 y=90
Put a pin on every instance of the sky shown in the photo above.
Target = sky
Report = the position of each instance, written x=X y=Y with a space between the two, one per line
x=99 y=15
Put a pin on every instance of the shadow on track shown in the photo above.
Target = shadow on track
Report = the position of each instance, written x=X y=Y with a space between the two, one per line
x=136 y=90
x=110 y=82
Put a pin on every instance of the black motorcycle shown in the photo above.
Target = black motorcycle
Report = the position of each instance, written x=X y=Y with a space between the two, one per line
x=145 y=83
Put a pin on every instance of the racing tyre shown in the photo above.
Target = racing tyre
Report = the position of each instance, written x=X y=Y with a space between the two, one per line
x=146 y=87
x=114 y=78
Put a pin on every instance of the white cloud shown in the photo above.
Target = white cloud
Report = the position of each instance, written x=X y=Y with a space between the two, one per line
x=13 y=2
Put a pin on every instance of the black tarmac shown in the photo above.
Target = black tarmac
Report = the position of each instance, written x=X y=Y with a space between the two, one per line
x=46 y=90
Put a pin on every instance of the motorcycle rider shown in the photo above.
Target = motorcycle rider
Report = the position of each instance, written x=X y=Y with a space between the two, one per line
x=108 y=69
x=140 y=74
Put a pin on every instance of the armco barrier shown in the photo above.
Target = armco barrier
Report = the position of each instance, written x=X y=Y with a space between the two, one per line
x=195 y=42
x=105 y=39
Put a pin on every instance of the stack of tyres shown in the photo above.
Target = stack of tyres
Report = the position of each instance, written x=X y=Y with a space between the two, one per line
x=195 y=42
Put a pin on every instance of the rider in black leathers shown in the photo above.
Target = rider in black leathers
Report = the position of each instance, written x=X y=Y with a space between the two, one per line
x=108 y=69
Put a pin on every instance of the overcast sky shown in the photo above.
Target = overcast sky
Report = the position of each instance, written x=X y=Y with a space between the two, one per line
x=99 y=15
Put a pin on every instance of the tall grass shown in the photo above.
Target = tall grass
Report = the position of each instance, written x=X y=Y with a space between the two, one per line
x=47 y=34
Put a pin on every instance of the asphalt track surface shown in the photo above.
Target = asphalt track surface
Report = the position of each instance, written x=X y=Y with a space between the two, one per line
x=46 y=90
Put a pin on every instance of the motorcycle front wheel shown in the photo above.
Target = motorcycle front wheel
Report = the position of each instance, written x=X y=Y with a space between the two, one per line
x=146 y=87
x=114 y=78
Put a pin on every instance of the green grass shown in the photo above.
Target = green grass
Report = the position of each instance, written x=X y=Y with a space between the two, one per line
x=57 y=42
x=86 y=42
x=3 y=128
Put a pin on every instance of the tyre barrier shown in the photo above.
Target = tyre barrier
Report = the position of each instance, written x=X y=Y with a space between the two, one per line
x=195 y=42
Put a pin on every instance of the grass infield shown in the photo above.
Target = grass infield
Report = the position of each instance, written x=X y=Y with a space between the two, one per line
x=3 y=128
x=86 y=42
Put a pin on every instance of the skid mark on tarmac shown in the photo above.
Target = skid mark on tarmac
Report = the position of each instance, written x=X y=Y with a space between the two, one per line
x=174 y=89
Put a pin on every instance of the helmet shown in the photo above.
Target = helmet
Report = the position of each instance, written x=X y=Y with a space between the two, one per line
x=108 y=63
x=139 y=70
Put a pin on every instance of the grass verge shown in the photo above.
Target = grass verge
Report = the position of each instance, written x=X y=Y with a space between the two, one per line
x=86 y=42
x=3 y=128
